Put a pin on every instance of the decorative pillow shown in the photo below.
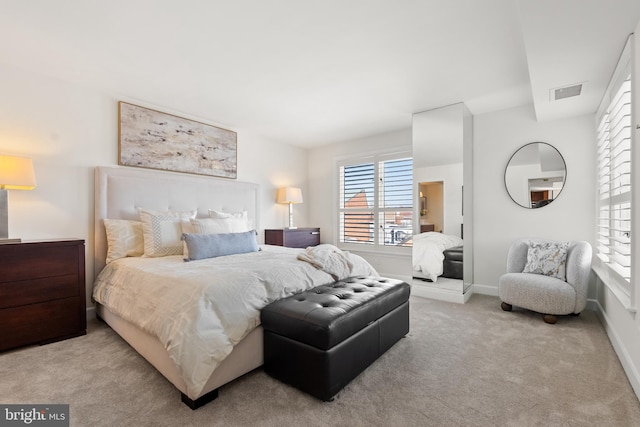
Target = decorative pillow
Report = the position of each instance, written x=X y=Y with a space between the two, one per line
x=212 y=226
x=547 y=258
x=124 y=238
x=162 y=231
x=203 y=246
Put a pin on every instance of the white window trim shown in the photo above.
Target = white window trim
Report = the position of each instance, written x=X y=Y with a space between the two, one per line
x=624 y=292
x=376 y=248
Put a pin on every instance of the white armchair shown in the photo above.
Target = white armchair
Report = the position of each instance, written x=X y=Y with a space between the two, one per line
x=550 y=296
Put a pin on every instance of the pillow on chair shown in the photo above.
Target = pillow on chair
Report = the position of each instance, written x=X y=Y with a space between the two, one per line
x=547 y=258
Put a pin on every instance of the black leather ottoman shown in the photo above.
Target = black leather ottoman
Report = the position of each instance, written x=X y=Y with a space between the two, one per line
x=452 y=266
x=321 y=339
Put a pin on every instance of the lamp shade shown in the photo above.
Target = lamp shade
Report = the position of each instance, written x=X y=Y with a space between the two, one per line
x=16 y=173
x=289 y=195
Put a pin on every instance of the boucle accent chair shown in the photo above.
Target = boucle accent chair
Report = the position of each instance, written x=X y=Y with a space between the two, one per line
x=548 y=295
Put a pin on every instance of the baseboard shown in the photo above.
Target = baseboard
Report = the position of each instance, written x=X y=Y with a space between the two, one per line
x=593 y=305
x=91 y=312
x=485 y=290
x=618 y=346
x=439 y=294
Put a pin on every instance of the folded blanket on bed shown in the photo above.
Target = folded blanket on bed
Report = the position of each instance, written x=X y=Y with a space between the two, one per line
x=329 y=259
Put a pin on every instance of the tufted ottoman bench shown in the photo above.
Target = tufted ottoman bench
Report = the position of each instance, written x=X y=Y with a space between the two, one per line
x=452 y=266
x=321 y=339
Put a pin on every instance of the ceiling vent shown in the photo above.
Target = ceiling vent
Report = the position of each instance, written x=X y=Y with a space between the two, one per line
x=566 y=92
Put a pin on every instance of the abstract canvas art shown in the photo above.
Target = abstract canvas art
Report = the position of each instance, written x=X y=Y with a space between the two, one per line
x=156 y=140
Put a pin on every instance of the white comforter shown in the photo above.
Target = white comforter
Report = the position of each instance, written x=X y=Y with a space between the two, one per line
x=428 y=251
x=200 y=309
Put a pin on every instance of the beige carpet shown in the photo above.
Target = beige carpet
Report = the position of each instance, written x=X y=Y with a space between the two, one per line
x=461 y=365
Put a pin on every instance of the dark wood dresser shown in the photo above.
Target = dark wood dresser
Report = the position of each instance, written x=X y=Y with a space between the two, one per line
x=42 y=292
x=293 y=237
x=427 y=227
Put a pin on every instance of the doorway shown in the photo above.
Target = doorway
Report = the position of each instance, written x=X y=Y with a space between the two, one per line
x=431 y=206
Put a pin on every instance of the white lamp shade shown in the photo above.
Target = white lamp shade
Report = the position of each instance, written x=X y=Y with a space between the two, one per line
x=16 y=173
x=289 y=195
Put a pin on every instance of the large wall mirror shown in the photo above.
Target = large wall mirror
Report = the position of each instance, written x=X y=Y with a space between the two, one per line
x=535 y=175
x=442 y=144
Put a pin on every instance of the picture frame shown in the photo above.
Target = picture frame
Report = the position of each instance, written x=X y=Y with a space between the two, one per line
x=155 y=140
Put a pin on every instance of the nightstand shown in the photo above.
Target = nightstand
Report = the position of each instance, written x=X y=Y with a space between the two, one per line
x=42 y=292
x=293 y=237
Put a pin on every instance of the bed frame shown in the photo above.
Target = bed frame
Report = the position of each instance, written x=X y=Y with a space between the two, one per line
x=119 y=191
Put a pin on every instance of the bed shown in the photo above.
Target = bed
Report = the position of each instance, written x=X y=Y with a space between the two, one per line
x=138 y=297
x=428 y=253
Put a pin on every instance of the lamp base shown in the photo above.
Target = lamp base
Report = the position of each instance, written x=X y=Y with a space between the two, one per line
x=5 y=240
x=291 y=228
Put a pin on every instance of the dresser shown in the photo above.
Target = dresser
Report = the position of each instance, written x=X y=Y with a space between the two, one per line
x=427 y=227
x=292 y=237
x=42 y=292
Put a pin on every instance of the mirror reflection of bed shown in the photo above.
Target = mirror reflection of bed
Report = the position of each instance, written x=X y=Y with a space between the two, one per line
x=439 y=138
x=437 y=260
x=433 y=257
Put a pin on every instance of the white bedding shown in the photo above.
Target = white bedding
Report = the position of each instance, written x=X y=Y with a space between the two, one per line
x=428 y=253
x=200 y=309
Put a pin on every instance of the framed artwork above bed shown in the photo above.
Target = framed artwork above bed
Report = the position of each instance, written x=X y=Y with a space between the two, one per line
x=152 y=139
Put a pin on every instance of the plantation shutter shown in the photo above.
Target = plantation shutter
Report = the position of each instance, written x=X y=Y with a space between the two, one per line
x=613 y=121
x=376 y=201
x=396 y=201
x=357 y=191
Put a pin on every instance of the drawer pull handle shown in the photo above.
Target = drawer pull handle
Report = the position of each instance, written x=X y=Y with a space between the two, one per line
x=315 y=232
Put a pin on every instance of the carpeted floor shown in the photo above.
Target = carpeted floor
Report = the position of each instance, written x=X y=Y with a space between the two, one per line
x=460 y=365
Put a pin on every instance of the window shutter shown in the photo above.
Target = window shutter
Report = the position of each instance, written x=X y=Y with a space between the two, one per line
x=357 y=189
x=614 y=174
x=376 y=201
x=396 y=201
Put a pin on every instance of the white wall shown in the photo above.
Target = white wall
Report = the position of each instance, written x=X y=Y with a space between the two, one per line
x=68 y=129
x=323 y=186
x=497 y=219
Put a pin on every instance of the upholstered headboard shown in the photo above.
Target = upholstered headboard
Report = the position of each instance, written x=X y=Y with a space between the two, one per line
x=120 y=191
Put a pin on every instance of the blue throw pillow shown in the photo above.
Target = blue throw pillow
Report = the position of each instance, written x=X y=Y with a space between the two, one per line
x=201 y=246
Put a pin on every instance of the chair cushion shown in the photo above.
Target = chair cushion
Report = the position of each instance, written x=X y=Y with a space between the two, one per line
x=536 y=292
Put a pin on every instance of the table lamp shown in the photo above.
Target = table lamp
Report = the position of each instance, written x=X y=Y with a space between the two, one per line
x=289 y=195
x=16 y=173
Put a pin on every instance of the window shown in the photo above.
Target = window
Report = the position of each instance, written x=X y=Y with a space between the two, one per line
x=613 y=121
x=376 y=201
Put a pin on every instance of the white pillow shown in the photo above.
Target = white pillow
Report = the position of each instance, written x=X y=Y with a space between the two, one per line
x=219 y=225
x=233 y=216
x=223 y=215
x=162 y=231
x=124 y=238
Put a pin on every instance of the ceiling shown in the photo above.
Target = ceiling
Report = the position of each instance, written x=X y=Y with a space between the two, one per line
x=316 y=72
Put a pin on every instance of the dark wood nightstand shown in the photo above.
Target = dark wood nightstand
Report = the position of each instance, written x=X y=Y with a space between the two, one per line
x=293 y=237
x=42 y=292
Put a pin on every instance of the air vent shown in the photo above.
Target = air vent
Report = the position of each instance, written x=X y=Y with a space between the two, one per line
x=566 y=92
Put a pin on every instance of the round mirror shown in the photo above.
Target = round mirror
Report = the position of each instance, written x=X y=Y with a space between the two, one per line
x=535 y=175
